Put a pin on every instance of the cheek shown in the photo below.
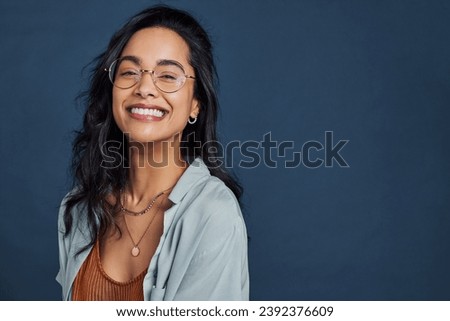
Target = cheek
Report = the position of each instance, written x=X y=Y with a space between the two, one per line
x=190 y=101
x=116 y=98
x=117 y=101
x=182 y=105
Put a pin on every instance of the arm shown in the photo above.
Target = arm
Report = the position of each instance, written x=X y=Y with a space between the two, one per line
x=61 y=244
x=218 y=269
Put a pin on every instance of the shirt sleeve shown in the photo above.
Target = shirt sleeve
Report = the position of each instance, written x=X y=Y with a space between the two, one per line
x=61 y=245
x=218 y=269
x=63 y=248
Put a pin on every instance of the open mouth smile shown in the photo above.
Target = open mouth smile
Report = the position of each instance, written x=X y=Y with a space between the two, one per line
x=145 y=112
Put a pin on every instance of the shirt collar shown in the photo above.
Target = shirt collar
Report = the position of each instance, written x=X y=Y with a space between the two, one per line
x=195 y=172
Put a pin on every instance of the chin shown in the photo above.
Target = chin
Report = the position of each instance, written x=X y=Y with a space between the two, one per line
x=151 y=138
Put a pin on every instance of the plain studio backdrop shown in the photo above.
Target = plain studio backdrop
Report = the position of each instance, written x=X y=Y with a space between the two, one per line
x=373 y=73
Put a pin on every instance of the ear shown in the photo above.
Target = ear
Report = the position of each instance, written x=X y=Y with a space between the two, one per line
x=195 y=109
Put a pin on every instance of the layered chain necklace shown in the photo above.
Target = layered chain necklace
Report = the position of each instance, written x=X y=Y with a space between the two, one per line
x=136 y=250
x=148 y=208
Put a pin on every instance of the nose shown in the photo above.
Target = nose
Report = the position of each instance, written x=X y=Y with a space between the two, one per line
x=146 y=87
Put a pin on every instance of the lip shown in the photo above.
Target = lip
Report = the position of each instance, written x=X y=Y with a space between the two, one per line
x=146 y=118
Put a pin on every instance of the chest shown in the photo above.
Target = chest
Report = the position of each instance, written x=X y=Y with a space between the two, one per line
x=126 y=251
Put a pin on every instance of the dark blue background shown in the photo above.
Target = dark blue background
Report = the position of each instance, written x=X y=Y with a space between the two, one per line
x=376 y=73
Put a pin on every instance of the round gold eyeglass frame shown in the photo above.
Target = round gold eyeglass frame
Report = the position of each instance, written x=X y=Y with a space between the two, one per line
x=111 y=71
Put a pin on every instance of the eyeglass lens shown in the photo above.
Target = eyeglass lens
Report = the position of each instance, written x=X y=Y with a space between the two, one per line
x=125 y=74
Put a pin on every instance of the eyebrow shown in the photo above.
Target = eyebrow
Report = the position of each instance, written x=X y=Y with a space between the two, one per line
x=134 y=59
x=161 y=62
x=169 y=62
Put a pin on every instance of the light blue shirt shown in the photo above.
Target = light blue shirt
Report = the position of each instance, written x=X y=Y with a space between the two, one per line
x=202 y=254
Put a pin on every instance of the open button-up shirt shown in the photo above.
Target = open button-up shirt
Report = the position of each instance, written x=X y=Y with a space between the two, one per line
x=202 y=254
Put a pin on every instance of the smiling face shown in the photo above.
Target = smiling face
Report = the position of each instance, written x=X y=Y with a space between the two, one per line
x=144 y=112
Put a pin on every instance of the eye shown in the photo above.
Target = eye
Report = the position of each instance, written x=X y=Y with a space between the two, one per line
x=129 y=73
x=168 y=76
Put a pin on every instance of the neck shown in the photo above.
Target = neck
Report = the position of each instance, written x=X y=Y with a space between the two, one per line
x=154 y=167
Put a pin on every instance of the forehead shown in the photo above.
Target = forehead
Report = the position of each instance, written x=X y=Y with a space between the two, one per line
x=154 y=44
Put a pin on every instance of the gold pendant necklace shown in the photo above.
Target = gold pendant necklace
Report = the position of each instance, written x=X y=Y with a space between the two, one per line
x=135 y=251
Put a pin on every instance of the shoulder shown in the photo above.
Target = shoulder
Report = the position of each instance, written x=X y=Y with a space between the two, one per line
x=62 y=212
x=211 y=195
x=202 y=200
x=198 y=189
x=76 y=212
x=211 y=212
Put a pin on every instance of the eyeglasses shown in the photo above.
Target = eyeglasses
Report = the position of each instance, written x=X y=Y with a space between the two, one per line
x=168 y=76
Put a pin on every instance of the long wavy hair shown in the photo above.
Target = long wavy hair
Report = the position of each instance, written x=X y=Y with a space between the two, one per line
x=94 y=182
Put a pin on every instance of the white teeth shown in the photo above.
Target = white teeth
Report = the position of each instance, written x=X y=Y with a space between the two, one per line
x=147 y=111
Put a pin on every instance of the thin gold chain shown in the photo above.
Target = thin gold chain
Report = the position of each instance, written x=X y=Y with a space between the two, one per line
x=145 y=232
x=148 y=208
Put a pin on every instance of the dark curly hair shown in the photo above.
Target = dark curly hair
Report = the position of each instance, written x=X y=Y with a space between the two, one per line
x=93 y=182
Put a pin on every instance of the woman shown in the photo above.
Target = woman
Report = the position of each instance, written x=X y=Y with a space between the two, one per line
x=152 y=215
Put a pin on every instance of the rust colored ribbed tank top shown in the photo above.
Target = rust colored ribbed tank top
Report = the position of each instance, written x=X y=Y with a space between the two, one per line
x=93 y=284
